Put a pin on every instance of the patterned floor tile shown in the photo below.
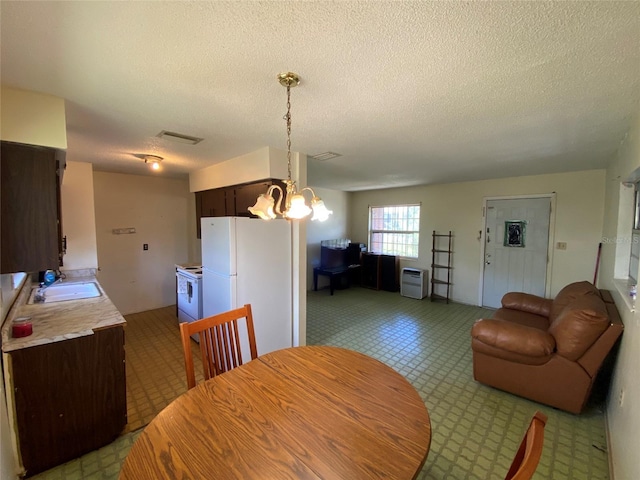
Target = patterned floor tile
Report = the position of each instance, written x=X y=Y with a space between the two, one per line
x=476 y=429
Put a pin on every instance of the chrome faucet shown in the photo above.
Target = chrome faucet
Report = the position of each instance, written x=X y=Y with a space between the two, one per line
x=39 y=296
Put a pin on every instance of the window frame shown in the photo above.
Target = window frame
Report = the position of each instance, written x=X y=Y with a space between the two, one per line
x=634 y=253
x=371 y=231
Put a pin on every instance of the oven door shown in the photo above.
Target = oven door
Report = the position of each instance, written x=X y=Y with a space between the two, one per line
x=188 y=293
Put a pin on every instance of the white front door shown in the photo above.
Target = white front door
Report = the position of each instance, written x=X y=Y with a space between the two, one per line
x=516 y=248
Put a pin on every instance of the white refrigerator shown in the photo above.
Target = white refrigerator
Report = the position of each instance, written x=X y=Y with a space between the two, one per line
x=247 y=260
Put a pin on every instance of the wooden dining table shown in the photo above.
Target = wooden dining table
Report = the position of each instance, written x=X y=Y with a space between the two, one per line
x=313 y=412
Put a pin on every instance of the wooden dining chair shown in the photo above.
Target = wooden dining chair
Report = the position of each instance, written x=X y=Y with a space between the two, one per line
x=219 y=342
x=526 y=460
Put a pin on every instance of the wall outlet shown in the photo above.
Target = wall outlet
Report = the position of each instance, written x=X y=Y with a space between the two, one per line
x=561 y=245
x=621 y=397
x=145 y=246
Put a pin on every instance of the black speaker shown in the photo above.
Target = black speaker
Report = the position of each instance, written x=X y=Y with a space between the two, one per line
x=353 y=253
x=389 y=273
x=370 y=271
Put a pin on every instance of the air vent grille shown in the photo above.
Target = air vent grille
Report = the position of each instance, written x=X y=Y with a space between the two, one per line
x=326 y=156
x=179 y=137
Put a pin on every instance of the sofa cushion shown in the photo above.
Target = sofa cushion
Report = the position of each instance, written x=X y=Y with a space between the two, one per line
x=568 y=294
x=514 y=338
x=579 y=326
x=522 y=318
x=527 y=303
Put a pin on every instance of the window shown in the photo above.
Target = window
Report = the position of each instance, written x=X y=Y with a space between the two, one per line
x=394 y=230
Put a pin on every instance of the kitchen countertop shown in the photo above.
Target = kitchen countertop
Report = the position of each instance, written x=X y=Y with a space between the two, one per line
x=60 y=321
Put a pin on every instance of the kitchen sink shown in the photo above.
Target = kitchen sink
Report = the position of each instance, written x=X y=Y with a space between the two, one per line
x=66 y=291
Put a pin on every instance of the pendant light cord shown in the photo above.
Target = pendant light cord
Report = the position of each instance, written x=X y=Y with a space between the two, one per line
x=288 y=119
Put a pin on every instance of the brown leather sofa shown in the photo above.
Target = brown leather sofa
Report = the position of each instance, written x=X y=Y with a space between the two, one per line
x=547 y=350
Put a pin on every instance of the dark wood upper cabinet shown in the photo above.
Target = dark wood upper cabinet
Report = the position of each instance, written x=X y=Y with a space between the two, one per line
x=233 y=201
x=30 y=205
x=246 y=196
x=215 y=203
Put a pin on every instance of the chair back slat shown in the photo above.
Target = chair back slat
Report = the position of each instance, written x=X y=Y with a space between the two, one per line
x=219 y=337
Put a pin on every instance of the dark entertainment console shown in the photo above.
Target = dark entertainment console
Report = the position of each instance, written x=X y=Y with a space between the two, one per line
x=340 y=261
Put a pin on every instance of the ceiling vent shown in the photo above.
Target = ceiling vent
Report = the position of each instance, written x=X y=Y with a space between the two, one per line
x=179 y=137
x=323 y=157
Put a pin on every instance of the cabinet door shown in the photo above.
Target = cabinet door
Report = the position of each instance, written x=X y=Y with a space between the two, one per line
x=246 y=196
x=29 y=199
x=69 y=397
x=214 y=203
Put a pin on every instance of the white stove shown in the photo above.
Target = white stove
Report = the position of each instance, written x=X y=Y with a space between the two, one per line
x=191 y=271
x=189 y=292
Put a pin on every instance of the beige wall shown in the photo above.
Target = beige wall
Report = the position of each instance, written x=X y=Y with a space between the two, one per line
x=458 y=207
x=160 y=210
x=32 y=118
x=336 y=226
x=623 y=420
x=78 y=217
x=267 y=162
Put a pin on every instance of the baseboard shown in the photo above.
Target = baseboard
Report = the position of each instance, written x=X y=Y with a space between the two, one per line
x=608 y=438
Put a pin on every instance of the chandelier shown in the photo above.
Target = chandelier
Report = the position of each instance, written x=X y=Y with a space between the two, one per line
x=295 y=204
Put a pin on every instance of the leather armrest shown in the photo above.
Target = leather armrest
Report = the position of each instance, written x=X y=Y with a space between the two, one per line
x=527 y=303
x=513 y=337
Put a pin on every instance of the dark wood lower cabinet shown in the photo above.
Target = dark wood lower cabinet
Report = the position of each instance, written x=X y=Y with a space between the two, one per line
x=69 y=397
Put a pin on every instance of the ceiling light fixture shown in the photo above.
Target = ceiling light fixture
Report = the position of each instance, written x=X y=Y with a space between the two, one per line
x=153 y=161
x=295 y=205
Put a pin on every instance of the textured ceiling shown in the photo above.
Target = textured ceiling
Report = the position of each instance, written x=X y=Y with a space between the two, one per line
x=408 y=92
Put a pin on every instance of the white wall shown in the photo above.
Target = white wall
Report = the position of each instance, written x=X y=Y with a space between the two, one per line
x=336 y=226
x=33 y=118
x=623 y=420
x=78 y=217
x=265 y=163
x=268 y=162
x=458 y=207
x=160 y=210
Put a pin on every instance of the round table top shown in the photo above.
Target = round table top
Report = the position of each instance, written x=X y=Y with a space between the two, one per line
x=303 y=412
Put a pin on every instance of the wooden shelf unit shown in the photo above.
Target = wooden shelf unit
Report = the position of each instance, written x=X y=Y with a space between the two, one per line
x=441 y=253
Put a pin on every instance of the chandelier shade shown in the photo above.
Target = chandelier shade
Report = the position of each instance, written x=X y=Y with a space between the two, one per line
x=296 y=206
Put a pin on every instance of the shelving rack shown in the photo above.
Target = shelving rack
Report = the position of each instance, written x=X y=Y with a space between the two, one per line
x=441 y=253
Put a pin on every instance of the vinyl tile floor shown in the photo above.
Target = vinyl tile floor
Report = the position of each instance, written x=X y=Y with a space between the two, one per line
x=476 y=430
